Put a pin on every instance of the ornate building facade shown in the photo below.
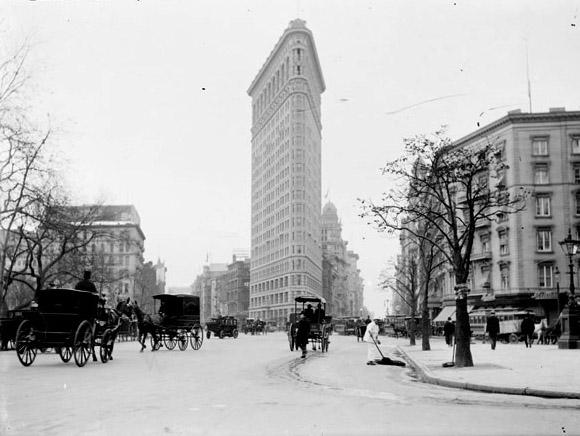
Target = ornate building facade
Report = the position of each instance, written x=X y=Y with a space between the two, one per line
x=342 y=285
x=286 y=176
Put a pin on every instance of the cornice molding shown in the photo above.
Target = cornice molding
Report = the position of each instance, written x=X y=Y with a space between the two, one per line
x=519 y=118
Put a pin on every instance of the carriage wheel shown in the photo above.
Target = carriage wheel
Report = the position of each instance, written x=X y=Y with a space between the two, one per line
x=222 y=334
x=65 y=353
x=170 y=342
x=107 y=344
x=235 y=333
x=83 y=343
x=182 y=341
x=25 y=346
x=196 y=337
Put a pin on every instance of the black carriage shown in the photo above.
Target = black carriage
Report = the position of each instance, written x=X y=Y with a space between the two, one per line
x=66 y=320
x=179 y=322
x=248 y=326
x=222 y=326
x=320 y=327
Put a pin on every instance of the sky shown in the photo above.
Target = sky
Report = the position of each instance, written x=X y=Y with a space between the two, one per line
x=148 y=100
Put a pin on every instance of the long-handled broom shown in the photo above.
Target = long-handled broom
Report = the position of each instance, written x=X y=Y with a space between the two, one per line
x=452 y=363
x=386 y=360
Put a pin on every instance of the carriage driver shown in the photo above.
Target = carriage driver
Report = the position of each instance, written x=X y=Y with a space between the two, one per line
x=86 y=284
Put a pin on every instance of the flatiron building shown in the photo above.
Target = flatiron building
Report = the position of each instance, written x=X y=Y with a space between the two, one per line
x=286 y=256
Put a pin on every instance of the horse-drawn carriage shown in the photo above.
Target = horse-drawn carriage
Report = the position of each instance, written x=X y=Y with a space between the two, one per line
x=8 y=326
x=222 y=326
x=320 y=327
x=68 y=320
x=176 y=324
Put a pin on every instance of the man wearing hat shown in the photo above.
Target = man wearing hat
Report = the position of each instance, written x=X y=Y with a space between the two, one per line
x=492 y=328
x=86 y=284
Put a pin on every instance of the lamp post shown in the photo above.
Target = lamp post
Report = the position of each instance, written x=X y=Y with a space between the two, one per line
x=557 y=277
x=570 y=320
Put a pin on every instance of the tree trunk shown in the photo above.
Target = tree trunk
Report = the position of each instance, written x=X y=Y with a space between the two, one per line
x=425 y=321
x=462 y=333
x=412 y=327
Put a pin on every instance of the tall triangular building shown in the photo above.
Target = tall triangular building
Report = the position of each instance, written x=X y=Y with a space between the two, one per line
x=286 y=257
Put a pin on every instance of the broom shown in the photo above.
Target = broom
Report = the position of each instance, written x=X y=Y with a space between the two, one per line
x=386 y=360
x=452 y=363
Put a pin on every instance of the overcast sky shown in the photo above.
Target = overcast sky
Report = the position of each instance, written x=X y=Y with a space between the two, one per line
x=149 y=100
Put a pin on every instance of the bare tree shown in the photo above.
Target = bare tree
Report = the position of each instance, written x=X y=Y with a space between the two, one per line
x=453 y=189
x=22 y=160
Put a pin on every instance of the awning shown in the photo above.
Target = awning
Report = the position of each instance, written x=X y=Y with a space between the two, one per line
x=446 y=312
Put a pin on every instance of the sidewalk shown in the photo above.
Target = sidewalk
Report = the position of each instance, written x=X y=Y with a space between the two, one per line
x=542 y=370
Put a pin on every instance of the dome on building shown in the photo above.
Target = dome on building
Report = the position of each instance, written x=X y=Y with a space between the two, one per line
x=329 y=209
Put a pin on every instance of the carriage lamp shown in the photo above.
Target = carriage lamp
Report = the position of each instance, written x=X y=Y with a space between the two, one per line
x=557 y=277
x=570 y=317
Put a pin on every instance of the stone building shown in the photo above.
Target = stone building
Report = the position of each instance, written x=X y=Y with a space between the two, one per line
x=206 y=286
x=342 y=285
x=286 y=257
x=236 y=290
x=115 y=255
x=516 y=257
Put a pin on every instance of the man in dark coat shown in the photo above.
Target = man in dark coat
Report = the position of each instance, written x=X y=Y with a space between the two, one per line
x=302 y=332
x=309 y=312
x=528 y=328
x=449 y=331
x=492 y=329
x=86 y=284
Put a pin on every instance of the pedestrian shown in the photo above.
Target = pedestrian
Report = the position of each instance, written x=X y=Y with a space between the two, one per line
x=86 y=284
x=302 y=332
x=371 y=337
x=528 y=328
x=449 y=331
x=492 y=328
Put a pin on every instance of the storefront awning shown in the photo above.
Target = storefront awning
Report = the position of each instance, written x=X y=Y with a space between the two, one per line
x=446 y=312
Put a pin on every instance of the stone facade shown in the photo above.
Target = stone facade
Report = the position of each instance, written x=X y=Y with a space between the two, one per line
x=515 y=257
x=342 y=285
x=286 y=180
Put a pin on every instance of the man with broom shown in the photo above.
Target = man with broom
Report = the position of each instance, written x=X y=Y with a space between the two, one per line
x=371 y=337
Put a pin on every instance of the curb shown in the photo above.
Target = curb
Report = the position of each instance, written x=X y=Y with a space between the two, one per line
x=426 y=376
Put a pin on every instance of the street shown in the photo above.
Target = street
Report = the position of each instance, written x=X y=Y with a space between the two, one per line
x=254 y=385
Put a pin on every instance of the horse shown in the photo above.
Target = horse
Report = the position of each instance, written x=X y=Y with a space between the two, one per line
x=146 y=325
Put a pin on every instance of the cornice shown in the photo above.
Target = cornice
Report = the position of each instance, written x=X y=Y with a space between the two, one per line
x=295 y=26
x=519 y=118
x=295 y=85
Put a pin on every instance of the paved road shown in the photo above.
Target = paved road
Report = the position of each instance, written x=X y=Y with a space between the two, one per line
x=251 y=386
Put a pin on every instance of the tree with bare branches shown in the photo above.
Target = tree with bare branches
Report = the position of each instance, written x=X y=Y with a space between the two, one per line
x=452 y=189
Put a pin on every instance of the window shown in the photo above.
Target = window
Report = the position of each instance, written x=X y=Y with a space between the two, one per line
x=577 y=196
x=541 y=174
x=576 y=144
x=576 y=172
x=544 y=240
x=543 y=205
x=545 y=275
x=540 y=146
x=503 y=242
x=504 y=276
x=484 y=243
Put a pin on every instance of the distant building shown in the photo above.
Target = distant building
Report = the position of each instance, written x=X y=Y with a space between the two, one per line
x=236 y=292
x=286 y=180
x=206 y=286
x=149 y=282
x=116 y=254
x=342 y=284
